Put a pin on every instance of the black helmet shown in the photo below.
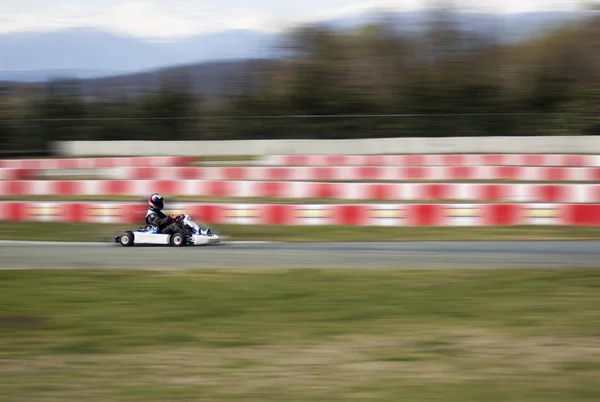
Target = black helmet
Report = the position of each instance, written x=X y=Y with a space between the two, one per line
x=156 y=201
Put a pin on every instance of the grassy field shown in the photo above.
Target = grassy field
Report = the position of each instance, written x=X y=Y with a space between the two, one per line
x=303 y=335
x=228 y=158
x=44 y=231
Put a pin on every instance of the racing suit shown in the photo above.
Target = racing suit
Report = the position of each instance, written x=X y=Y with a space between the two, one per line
x=164 y=224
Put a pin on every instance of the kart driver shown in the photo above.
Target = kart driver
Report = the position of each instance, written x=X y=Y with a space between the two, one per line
x=165 y=224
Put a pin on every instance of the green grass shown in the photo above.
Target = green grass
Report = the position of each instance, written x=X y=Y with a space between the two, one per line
x=45 y=231
x=228 y=161
x=300 y=335
x=228 y=158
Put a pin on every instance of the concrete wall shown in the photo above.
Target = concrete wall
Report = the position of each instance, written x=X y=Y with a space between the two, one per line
x=558 y=144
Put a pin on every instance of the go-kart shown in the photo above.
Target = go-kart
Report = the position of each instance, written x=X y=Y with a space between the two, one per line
x=193 y=236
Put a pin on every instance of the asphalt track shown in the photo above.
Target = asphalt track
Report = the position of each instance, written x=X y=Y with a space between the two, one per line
x=400 y=255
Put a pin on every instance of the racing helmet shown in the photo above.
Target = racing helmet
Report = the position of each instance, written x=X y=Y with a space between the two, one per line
x=156 y=201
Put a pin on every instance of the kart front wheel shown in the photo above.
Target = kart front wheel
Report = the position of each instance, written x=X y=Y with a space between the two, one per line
x=177 y=240
x=126 y=239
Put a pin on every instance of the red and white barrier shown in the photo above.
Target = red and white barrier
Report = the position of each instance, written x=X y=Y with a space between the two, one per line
x=312 y=214
x=364 y=173
x=475 y=192
x=435 y=160
x=94 y=163
x=15 y=174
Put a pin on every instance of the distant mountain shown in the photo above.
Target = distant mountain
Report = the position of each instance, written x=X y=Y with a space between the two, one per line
x=90 y=53
x=210 y=80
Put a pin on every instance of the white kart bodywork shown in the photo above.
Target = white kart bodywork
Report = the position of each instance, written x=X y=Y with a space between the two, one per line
x=150 y=236
x=164 y=239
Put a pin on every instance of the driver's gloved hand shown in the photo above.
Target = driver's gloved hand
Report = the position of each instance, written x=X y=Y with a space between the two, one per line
x=177 y=218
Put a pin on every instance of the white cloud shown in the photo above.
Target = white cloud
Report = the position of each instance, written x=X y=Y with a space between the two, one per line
x=29 y=18
x=172 y=18
x=141 y=18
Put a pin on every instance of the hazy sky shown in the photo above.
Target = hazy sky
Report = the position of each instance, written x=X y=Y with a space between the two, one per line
x=170 y=18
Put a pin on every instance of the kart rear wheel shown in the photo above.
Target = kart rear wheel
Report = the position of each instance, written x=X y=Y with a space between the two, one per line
x=126 y=239
x=177 y=240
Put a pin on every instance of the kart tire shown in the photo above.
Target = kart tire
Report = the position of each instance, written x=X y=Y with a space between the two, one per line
x=126 y=239
x=177 y=240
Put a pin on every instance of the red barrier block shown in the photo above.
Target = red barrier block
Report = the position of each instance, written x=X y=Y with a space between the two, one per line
x=509 y=172
x=501 y=214
x=138 y=162
x=369 y=173
x=435 y=191
x=67 y=187
x=594 y=193
x=593 y=174
x=144 y=173
x=15 y=211
x=453 y=159
x=117 y=187
x=493 y=159
x=219 y=188
x=415 y=160
x=425 y=215
x=235 y=173
x=280 y=174
x=335 y=160
x=278 y=214
x=533 y=160
x=166 y=186
x=31 y=164
x=74 y=213
x=555 y=174
x=581 y=214
x=133 y=213
x=16 y=188
x=351 y=215
x=297 y=160
x=324 y=190
x=322 y=173
x=190 y=173
x=380 y=192
x=374 y=160
x=67 y=164
x=272 y=189
x=492 y=192
x=182 y=161
x=550 y=193
x=575 y=160
x=103 y=163
x=22 y=174
x=413 y=173
x=461 y=172
x=207 y=213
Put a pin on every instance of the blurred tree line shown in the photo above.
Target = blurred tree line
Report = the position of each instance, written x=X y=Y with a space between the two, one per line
x=374 y=81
